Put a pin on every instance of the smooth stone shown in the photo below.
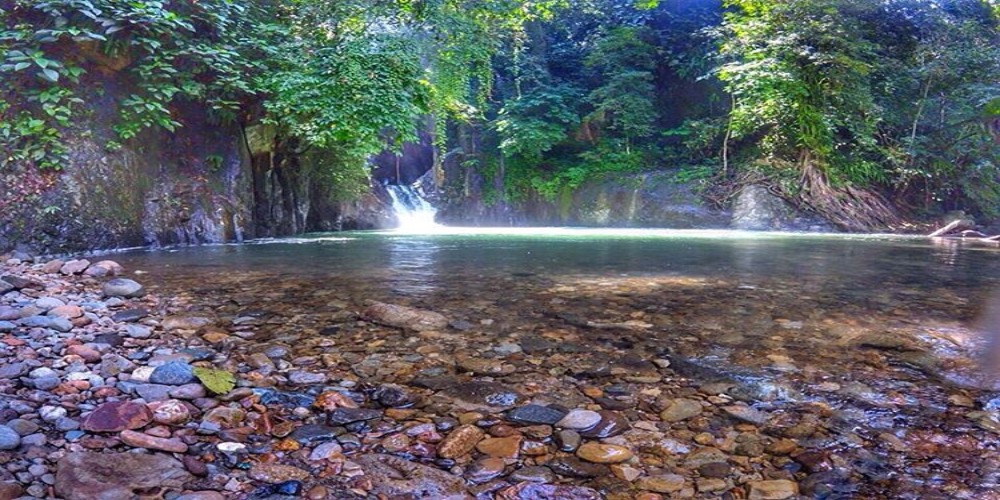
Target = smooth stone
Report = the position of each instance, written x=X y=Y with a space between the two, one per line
x=715 y=469
x=122 y=287
x=90 y=475
x=153 y=392
x=9 y=438
x=142 y=374
x=113 y=364
x=171 y=323
x=68 y=312
x=405 y=317
x=663 y=483
x=75 y=266
x=201 y=495
x=779 y=489
x=188 y=391
x=172 y=373
x=306 y=378
x=579 y=419
x=52 y=266
x=23 y=427
x=325 y=451
x=568 y=440
x=113 y=267
x=535 y=414
x=13 y=370
x=536 y=491
x=141 y=440
x=534 y=474
x=48 y=303
x=313 y=433
x=116 y=416
x=130 y=315
x=603 y=453
x=484 y=469
x=574 y=467
x=503 y=447
x=7 y=326
x=611 y=424
x=46 y=383
x=138 y=331
x=51 y=413
x=394 y=477
x=342 y=416
x=460 y=441
x=393 y=396
x=276 y=473
x=681 y=409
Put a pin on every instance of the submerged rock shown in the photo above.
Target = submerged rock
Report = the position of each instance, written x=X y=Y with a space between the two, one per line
x=89 y=475
x=405 y=317
x=395 y=477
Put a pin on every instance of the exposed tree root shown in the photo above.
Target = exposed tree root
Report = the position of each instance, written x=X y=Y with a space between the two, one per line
x=848 y=207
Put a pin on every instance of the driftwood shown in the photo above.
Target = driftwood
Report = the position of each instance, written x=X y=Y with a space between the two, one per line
x=961 y=229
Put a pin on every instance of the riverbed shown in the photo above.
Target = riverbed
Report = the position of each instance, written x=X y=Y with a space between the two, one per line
x=861 y=354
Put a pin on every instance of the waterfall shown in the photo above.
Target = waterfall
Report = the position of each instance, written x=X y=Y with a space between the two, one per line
x=414 y=213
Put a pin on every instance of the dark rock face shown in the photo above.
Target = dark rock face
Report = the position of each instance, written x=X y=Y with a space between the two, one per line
x=757 y=209
x=647 y=200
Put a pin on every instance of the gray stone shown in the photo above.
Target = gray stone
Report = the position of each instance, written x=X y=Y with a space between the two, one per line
x=9 y=438
x=172 y=373
x=13 y=370
x=47 y=303
x=122 y=287
x=138 y=331
x=7 y=326
x=153 y=392
x=536 y=414
x=23 y=427
x=45 y=383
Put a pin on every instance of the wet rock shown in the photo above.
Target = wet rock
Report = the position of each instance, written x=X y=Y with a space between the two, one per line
x=313 y=433
x=505 y=447
x=342 y=416
x=276 y=473
x=117 y=416
x=325 y=451
x=9 y=438
x=773 y=490
x=574 y=467
x=405 y=317
x=142 y=440
x=286 y=399
x=172 y=373
x=534 y=474
x=662 y=483
x=393 y=396
x=611 y=424
x=535 y=414
x=603 y=453
x=715 y=469
x=579 y=419
x=536 y=491
x=398 y=478
x=490 y=395
x=89 y=475
x=681 y=409
x=568 y=440
x=484 y=469
x=122 y=287
x=746 y=414
x=114 y=268
x=460 y=441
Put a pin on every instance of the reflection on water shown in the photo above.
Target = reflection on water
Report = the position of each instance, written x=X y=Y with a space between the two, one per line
x=411 y=266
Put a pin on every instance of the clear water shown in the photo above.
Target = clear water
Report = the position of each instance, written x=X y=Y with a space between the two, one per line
x=786 y=315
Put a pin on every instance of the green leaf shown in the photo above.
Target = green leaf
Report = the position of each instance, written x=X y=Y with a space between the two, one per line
x=48 y=74
x=217 y=381
x=21 y=65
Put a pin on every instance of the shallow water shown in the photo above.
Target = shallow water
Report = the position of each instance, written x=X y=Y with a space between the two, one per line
x=874 y=335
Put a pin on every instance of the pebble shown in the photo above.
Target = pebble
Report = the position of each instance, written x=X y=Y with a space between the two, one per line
x=773 y=490
x=122 y=287
x=276 y=473
x=680 y=409
x=603 y=453
x=172 y=373
x=142 y=440
x=578 y=419
x=9 y=438
x=460 y=441
x=535 y=414
x=663 y=483
x=611 y=424
x=505 y=447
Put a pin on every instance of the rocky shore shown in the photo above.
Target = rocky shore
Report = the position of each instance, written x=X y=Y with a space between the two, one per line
x=108 y=391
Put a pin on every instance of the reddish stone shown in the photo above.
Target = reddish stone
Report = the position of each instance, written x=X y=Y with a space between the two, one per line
x=117 y=416
x=86 y=353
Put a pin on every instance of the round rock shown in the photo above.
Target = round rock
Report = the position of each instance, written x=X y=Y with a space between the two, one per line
x=122 y=287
